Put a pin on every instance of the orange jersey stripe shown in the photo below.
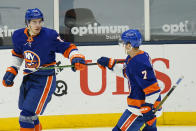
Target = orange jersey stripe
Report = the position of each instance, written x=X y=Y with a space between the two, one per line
x=44 y=95
x=38 y=127
x=152 y=88
x=27 y=60
x=46 y=65
x=30 y=38
x=68 y=50
x=26 y=32
x=18 y=55
x=134 y=102
x=140 y=52
x=128 y=122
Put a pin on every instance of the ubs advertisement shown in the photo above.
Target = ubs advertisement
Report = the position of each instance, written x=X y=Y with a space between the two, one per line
x=95 y=91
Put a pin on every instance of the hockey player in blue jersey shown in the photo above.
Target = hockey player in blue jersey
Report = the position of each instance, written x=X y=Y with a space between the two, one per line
x=36 y=46
x=144 y=93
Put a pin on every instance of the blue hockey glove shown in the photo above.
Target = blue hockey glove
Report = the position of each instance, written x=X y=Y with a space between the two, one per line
x=8 y=79
x=106 y=62
x=78 y=60
x=148 y=114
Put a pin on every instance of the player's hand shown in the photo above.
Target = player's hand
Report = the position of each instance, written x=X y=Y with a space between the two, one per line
x=8 y=79
x=148 y=114
x=106 y=62
x=78 y=60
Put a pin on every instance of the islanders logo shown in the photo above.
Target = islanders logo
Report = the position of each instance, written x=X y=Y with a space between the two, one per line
x=32 y=60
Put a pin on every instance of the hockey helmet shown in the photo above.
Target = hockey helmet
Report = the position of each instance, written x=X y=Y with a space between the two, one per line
x=33 y=14
x=132 y=36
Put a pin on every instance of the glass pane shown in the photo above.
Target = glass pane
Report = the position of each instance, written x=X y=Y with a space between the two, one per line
x=99 y=21
x=12 y=13
x=173 y=20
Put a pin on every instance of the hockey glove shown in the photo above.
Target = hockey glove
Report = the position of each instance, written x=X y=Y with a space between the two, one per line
x=78 y=60
x=106 y=62
x=148 y=114
x=8 y=79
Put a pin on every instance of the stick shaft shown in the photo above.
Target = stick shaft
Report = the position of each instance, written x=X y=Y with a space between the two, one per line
x=66 y=66
x=165 y=98
x=168 y=94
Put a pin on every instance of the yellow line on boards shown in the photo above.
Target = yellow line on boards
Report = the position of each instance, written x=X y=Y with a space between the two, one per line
x=97 y=120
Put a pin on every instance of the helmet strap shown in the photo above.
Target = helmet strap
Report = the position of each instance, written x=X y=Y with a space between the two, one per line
x=27 y=22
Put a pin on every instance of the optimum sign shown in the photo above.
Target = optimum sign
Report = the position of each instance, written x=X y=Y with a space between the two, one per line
x=5 y=32
x=98 y=30
x=175 y=28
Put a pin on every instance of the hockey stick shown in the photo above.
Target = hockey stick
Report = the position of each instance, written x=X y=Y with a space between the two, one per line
x=165 y=98
x=66 y=66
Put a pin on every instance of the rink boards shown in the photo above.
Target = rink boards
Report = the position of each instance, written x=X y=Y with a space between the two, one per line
x=94 y=97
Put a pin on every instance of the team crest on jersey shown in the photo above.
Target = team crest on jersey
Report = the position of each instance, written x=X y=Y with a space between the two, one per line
x=32 y=60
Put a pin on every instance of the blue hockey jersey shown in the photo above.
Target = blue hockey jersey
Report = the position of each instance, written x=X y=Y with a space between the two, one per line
x=39 y=51
x=142 y=82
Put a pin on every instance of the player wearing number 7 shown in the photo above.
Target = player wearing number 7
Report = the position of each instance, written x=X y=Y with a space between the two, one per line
x=144 y=93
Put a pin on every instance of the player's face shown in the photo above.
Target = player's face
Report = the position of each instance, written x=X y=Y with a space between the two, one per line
x=128 y=48
x=35 y=26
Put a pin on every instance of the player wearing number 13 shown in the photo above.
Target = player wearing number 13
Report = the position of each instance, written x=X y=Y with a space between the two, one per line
x=144 y=93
